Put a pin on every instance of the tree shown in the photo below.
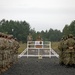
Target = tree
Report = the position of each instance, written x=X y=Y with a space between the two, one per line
x=69 y=29
x=72 y=28
x=66 y=30
x=19 y=29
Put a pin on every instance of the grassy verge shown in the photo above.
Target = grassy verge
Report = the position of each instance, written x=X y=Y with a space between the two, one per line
x=55 y=46
x=22 y=47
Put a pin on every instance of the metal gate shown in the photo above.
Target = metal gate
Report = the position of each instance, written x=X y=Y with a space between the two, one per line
x=39 y=49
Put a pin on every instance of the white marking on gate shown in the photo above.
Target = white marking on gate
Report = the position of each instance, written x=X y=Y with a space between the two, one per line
x=42 y=49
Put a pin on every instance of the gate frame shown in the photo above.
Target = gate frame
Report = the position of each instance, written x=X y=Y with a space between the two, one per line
x=34 y=48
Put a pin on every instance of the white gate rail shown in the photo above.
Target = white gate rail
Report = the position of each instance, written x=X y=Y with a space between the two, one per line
x=44 y=46
x=22 y=54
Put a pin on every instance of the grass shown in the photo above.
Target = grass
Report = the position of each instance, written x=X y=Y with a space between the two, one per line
x=22 y=47
x=55 y=46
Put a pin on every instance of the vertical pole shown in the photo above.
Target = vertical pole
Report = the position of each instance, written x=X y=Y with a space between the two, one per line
x=42 y=45
x=34 y=44
x=38 y=52
x=50 y=49
x=27 y=48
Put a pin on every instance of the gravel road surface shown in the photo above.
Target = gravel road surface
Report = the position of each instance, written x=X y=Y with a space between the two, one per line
x=35 y=66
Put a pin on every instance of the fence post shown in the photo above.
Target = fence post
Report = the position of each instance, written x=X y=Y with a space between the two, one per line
x=50 y=49
x=27 y=48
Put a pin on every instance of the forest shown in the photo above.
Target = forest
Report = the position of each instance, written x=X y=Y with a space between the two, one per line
x=21 y=29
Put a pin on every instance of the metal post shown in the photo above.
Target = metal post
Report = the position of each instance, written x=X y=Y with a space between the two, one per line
x=27 y=48
x=50 y=49
x=38 y=52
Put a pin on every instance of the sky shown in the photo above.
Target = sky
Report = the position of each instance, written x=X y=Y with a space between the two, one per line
x=40 y=14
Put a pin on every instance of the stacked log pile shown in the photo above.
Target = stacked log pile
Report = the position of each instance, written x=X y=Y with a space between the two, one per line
x=8 y=51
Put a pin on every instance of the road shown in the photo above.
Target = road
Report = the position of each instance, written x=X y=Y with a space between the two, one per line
x=35 y=66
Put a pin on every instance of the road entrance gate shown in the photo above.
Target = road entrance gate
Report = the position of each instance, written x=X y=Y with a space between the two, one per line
x=38 y=49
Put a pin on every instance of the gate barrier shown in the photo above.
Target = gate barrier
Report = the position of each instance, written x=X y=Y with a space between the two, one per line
x=38 y=49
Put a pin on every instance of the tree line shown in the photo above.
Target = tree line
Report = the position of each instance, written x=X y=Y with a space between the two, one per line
x=21 y=29
x=69 y=29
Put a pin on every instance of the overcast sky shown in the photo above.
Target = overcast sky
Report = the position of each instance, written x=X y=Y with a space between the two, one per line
x=40 y=14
